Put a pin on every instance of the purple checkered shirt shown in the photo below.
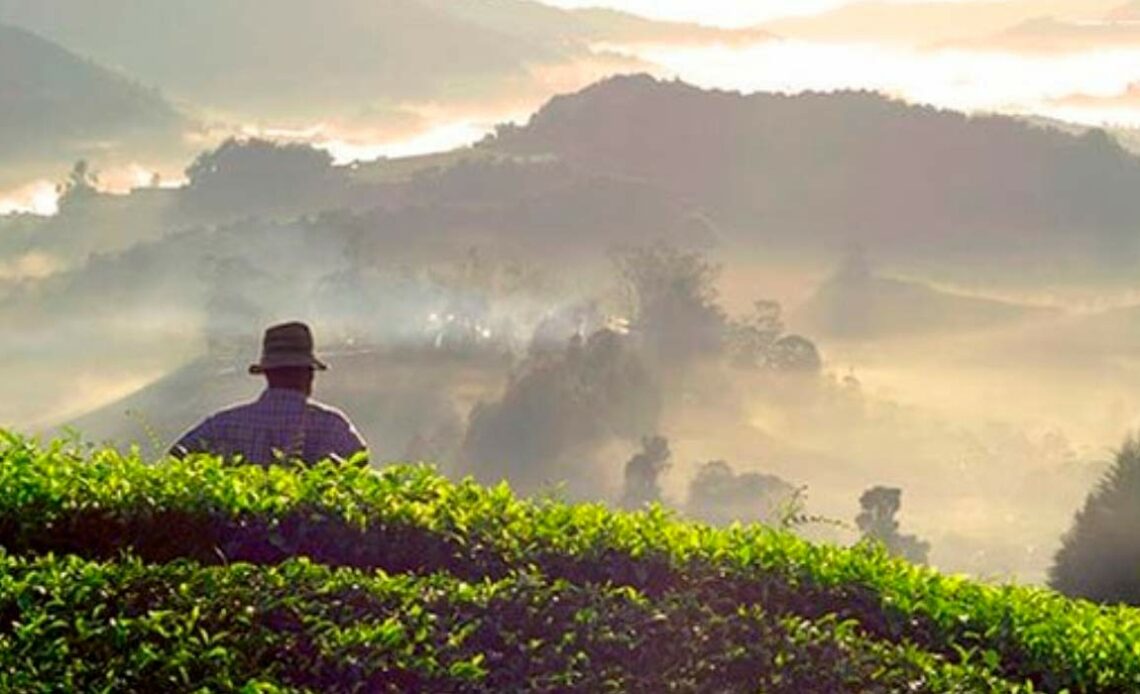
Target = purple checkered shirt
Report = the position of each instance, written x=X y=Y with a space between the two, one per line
x=279 y=423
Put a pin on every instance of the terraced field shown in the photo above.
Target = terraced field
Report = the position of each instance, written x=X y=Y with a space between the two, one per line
x=123 y=575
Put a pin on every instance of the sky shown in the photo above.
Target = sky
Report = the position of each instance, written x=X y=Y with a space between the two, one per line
x=1072 y=60
x=718 y=12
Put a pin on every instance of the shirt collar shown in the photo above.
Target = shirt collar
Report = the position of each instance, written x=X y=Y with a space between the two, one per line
x=283 y=395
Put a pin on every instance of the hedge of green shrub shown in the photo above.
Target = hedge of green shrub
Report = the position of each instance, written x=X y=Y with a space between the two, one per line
x=410 y=520
x=127 y=626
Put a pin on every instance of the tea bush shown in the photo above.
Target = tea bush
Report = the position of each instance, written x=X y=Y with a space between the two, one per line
x=127 y=626
x=712 y=593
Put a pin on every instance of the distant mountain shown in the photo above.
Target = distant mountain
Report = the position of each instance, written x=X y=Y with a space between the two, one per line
x=326 y=59
x=856 y=303
x=1097 y=25
x=821 y=170
x=1052 y=35
x=51 y=99
x=535 y=19
x=235 y=53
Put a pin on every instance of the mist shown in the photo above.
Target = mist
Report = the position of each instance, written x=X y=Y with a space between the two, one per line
x=532 y=267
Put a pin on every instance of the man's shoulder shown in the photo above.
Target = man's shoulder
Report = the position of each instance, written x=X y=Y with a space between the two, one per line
x=232 y=412
x=329 y=412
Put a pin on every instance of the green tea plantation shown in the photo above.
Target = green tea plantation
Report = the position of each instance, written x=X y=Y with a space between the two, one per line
x=121 y=575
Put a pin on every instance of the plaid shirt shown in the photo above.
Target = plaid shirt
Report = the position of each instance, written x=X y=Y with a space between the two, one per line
x=279 y=423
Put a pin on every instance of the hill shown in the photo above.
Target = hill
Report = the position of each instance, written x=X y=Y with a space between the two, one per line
x=336 y=578
x=825 y=170
x=304 y=61
x=56 y=101
x=337 y=59
x=856 y=303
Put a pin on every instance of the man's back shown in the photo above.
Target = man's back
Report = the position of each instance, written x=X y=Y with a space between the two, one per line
x=280 y=423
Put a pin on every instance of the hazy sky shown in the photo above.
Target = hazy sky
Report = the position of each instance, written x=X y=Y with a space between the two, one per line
x=722 y=12
x=1075 y=60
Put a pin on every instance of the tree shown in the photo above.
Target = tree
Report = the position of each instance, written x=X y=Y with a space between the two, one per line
x=81 y=185
x=1099 y=557
x=557 y=409
x=793 y=353
x=672 y=294
x=720 y=495
x=643 y=472
x=758 y=341
x=877 y=522
x=750 y=339
x=252 y=175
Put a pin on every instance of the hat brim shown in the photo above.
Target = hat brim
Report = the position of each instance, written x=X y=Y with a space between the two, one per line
x=288 y=363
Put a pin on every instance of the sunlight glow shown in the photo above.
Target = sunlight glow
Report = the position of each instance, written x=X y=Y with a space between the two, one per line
x=441 y=138
x=347 y=146
x=727 y=13
x=967 y=80
x=38 y=198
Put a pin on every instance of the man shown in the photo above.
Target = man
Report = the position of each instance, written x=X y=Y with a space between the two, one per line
x=284 y=422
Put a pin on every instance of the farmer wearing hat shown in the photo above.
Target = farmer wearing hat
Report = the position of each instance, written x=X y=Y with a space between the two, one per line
x=284 y=422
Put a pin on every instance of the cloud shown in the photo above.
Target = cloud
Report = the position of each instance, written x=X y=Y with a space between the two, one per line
x=932 y=22
x=1116 y=108
x=725 y=13
x=39 y=197
x=1053 y=35
x=33 y=265
x=1129 y=98
x=1128 y=12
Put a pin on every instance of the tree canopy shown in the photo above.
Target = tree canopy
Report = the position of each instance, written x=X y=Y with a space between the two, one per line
x=1099 y=557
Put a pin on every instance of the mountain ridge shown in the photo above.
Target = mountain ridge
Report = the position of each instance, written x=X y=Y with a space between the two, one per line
x=850 y=167
x=53 y=98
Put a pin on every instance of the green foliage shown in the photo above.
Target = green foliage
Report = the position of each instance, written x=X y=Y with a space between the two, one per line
x=217 y=570
x=182 y=627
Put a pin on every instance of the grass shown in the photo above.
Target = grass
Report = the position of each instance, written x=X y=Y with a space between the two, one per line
x=402 y=579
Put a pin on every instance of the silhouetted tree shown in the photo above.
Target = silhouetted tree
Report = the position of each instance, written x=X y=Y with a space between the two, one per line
x=877 y=523
x=557 y=409
x=673 y=296
x=794 y=353
x=751 y=338
x=758 y=341
x=1099 y=557
x=80 y=186
x=643 y=472
x=854 y=281
x=720 y=495
x=245 y=176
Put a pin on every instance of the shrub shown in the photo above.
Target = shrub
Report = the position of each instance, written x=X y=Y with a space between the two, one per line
x=703 y=581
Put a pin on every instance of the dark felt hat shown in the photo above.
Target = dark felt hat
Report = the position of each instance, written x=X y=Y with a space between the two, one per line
x=289 y=345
